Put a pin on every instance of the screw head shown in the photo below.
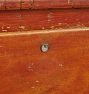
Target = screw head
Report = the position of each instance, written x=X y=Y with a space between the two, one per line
x=44 y=48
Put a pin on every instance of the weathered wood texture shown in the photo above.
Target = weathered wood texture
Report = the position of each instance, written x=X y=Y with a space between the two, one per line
x=42 y=4
x=24 y=69
x=12 y=21
x=64 y=69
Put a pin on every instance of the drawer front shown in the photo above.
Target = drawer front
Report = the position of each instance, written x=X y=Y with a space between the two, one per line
x=25 y=68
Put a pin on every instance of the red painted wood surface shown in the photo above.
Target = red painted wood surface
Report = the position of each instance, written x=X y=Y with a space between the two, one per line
x=80 y=3
x=13 y=21
x=41 y=4
x=64 y=69
x=24 y=69
x=44 y=4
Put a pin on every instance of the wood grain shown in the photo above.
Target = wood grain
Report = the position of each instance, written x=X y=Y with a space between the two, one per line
x=64 y=69
x=19 y=21
x=42 y=4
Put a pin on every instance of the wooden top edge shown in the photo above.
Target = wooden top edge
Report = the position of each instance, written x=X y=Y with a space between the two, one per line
x=42 y=4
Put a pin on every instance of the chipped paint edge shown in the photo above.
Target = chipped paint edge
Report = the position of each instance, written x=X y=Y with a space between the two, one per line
x=36 y=32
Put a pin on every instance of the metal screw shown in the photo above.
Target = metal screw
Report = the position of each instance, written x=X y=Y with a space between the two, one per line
x=44 y=48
